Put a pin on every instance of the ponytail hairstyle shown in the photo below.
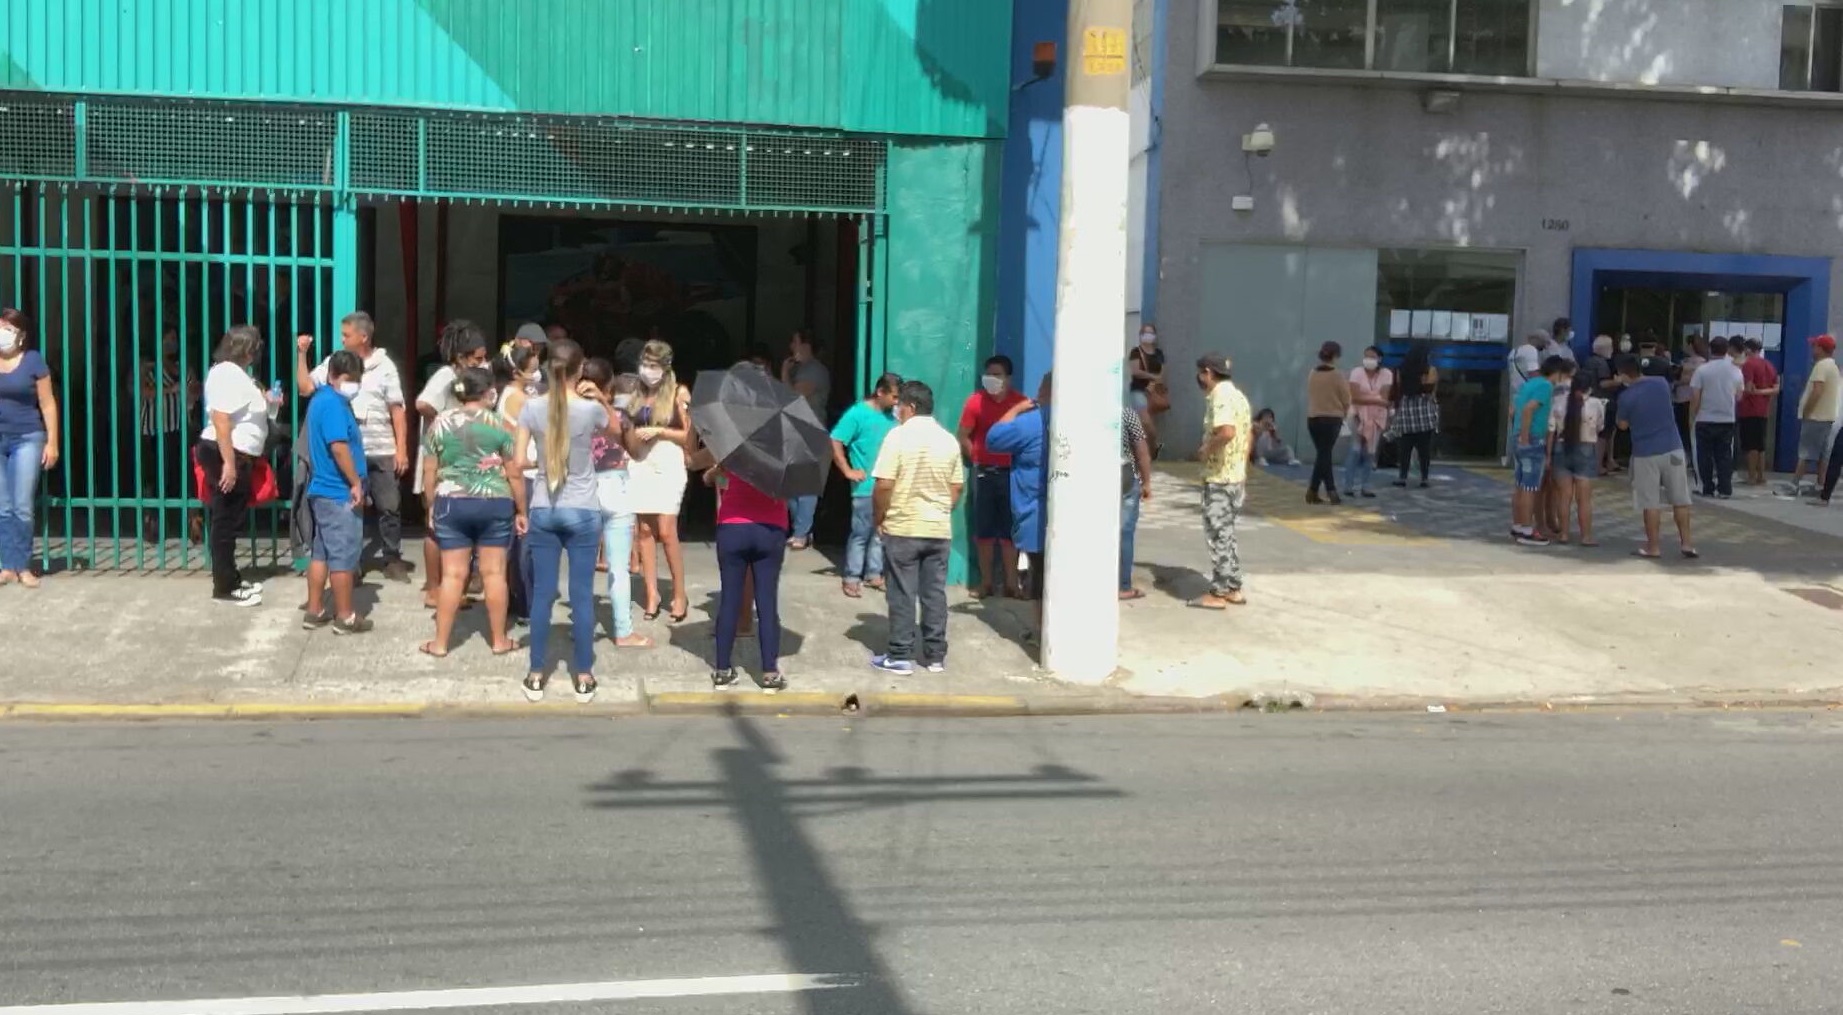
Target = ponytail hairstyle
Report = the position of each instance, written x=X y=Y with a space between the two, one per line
x=1571 y=421
x=663 y=399
x=563 y=370
x=460 y=339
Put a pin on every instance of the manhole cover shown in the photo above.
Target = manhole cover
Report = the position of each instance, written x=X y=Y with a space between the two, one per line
x=1829 y=599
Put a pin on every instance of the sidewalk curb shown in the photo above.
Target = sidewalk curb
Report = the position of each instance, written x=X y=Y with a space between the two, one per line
x=742 y=702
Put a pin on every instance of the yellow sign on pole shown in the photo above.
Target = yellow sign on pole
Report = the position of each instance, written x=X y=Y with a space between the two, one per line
x=1103 y=51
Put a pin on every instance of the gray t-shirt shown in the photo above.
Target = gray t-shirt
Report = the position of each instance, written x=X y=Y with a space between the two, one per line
x=585 y=420
x=815 y=373
x=1721 y=383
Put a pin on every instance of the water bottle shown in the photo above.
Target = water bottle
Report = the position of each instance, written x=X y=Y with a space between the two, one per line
x=275 y=398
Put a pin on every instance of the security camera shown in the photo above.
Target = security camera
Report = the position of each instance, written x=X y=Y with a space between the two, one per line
x=1260 y=142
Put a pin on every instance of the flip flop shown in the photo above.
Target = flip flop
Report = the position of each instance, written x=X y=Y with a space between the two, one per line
x=854 y=591
x=1690 y=554
x=508 y=650
x=1647 y=556
x=1131 y=594
x=1199 y=604
x=1587 y=545
x=427 y=648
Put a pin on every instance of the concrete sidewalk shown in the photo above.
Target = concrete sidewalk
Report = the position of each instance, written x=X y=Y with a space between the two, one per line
x=1415 y=597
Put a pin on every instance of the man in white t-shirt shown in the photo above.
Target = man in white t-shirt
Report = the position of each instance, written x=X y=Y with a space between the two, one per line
x=1714 y=392
x=383 y=423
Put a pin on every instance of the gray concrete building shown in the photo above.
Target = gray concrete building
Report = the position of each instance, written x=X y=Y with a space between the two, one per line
x=1458 y=172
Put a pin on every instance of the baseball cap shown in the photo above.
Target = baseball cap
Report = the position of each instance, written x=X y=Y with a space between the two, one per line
x=1215 y=364
x=533 y=333
x=1826 y=343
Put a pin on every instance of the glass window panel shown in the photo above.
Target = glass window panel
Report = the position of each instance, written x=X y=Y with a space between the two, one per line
x=1795 y=47
x=1472 y=413
x=1493 y=38
x=1827 y=51
x=1251 y=32
x=1330 y=33
x=1413 y=35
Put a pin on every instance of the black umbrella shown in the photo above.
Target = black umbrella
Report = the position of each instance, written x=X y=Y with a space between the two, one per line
x=761 y=431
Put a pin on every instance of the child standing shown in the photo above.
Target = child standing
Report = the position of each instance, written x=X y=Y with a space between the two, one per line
x=336 y=496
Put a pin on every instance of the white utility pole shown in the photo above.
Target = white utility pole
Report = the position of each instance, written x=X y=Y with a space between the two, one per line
x=1081 y=608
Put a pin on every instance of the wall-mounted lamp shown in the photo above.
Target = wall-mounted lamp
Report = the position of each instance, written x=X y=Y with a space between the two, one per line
x=1042 y=65
x=1260 y=142
x=1440 y=100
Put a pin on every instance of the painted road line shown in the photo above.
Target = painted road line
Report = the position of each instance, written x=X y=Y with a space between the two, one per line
x=466 y=997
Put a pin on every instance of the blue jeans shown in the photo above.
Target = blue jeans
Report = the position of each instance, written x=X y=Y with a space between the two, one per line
x=20 y=458
x=617 y=545
x=1359 y=466
x=800 y=511
x=756 y=550
x=1129 y=524
x=553 y=533
x=864 y=550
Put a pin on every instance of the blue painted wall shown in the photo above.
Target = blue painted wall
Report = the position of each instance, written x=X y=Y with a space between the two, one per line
x=1030 y=221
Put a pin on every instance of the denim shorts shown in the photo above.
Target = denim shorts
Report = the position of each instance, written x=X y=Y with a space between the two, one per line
x=992 y=503
x=463 y=523
x=339 y=533
x=1531 y=466
x=1579 y=462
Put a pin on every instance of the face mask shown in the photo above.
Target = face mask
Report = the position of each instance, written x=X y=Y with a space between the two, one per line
x=491 y=400
x=348 y=389
x=1147 y=338
x=994 y=385
x=652 y=375
x=1625 y=345
x=1371 y=363
x=9 y=340
x=623 y=402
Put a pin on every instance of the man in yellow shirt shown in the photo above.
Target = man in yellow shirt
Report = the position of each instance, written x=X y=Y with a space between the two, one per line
x=920 y=475
x=1227 y=429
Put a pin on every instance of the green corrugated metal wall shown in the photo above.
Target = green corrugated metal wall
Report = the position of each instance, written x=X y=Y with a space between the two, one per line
x=916 y=67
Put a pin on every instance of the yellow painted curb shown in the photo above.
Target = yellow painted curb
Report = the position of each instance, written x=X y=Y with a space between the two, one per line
x=958 y=704
x=743 y=700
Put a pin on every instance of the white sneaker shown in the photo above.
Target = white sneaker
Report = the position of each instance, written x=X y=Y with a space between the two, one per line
x=937 y=667
x=243 y=598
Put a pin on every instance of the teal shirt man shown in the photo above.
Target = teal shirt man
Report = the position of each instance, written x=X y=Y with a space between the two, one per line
x=861 y=431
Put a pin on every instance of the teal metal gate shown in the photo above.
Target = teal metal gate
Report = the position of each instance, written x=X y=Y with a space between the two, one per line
x=136 y=231
x=128 y=296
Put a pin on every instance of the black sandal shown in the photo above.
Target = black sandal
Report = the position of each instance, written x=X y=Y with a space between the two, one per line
x=584 y=686
x=534 y=686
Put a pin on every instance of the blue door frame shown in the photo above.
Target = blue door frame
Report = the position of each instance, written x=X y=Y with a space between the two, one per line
x=1804 y=281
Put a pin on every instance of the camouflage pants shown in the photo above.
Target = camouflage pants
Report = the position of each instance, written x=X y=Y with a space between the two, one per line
x=1222 y=505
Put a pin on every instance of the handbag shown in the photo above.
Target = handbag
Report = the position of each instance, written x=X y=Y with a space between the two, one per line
x=1157 y=396
x=264 y=488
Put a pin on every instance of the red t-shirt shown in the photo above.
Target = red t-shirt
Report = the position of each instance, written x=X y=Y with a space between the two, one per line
x=1759 y=374
x=980 y=412
x=739 y=503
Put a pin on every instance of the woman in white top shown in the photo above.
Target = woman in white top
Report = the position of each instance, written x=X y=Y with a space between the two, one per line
x=236 y=433
x=656 y=476
x=1577 y=455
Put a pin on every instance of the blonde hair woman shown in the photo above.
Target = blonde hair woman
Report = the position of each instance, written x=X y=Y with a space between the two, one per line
x=564 y=516
x=656 y=476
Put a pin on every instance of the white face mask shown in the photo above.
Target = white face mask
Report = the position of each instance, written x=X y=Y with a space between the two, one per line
x=9 y=340
x=1371 y=363
x=491 y=400
x=348 y=389
x=1148 y=338
x=652 y=375
x=1625 y=345
x=623 y=402
x=994 y=385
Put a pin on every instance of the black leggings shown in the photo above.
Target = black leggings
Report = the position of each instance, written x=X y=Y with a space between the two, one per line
x=1324 y=431
x=1410 y=444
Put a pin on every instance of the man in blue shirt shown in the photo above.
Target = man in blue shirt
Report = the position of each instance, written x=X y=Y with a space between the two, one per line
x=336 y=496
x=1023 y=433
x=855 y=442
x=1660 y=469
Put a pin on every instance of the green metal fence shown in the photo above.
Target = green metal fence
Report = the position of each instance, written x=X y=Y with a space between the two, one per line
x=136 y=231
x=128 y=295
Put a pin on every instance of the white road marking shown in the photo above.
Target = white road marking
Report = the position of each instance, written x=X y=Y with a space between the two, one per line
x=467 y=997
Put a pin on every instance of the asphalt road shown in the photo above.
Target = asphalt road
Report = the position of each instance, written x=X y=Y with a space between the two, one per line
x=1281 y=864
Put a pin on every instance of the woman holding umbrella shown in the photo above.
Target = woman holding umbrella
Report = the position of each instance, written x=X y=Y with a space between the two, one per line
x=765 y=445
